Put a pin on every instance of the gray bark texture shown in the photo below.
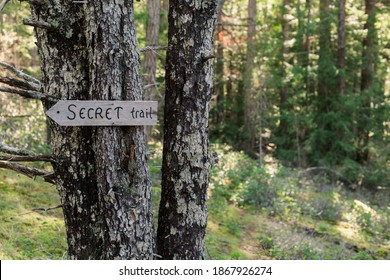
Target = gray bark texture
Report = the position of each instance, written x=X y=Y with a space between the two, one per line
x=186 y=161
x=91 y=53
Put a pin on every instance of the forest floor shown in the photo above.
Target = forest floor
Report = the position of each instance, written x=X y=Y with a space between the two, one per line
x=303 y=222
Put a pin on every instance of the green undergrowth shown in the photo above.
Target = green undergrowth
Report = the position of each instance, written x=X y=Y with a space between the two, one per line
x=255 y=212
x=274 y=212
x=26 y=233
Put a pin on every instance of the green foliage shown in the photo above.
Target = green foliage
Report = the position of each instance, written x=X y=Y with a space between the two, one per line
x=239 y=179
x=363 y=255
x=325 y=206
x=318 y=213
x=257 y=191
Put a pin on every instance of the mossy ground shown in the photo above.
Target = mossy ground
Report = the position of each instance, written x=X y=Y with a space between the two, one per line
x=24 y=233
x=305 y=221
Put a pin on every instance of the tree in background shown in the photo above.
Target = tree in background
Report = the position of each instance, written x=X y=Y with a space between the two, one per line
x=150 y=57
x=367 y=82
x=248 y=90
x=341 y=48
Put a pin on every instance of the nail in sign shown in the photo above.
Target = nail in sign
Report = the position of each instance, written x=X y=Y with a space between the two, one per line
x=103 y=113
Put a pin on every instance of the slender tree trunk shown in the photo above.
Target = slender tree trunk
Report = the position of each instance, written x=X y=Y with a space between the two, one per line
x=219 y=74
x=150 y=59
x=325 y=60
x=186 y=162
x=283 y=92
x=341 y=63
x=369 y=57
x=90 y=53
x=310 y=85
x=249 y=99
x=325 y=132
x=341 y=50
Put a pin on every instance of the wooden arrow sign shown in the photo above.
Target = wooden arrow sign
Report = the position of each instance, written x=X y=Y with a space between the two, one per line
x=103 y=113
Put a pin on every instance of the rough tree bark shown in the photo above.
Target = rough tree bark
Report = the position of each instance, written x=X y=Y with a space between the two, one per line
x=89 y=52
x=186 y=160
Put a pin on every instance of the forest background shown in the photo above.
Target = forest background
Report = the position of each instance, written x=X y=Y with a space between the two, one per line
x=299 y=120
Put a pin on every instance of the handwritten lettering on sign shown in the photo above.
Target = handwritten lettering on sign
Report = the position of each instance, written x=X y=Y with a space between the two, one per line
x=103 y=113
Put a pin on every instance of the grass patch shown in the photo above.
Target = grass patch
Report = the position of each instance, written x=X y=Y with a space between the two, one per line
x=254 y=213
x=26 y=234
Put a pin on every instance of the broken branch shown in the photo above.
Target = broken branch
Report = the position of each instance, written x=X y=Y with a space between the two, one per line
x=30 y=172
x=19 y=73
x=14 y=151
x=2 y=4
x=35 y=2
x=32 y=94
x=20 y=84
x=152 y=48
x=46 y=158
x=38 y=24
x=47 y=208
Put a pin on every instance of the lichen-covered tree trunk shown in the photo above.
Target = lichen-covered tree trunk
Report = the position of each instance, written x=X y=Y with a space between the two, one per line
x=186 y=161
x=89 y=52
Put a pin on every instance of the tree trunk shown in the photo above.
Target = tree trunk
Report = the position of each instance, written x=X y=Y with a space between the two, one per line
x=369 y=57
x=325 y=60
x=186 y=163
x=90 y=53
x=341 y=47
x=310 y=84
x=150 y=57
x=325 y=133
x=249 y=100
x=341 y=63
x=219 y=75
x=283 y=92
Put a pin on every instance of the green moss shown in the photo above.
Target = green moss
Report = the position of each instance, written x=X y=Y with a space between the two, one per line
x=26 y=234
